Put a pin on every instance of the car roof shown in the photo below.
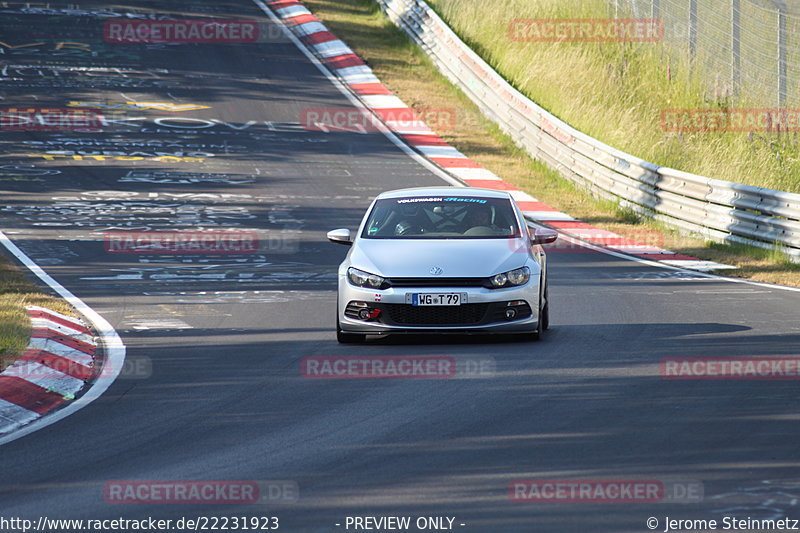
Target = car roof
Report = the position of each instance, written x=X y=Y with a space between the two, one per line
x=444 y=191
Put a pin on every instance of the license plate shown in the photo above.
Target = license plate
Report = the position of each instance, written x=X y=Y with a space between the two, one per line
x=446 y=299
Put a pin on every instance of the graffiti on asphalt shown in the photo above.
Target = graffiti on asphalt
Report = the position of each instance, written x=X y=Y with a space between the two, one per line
x=183 y=178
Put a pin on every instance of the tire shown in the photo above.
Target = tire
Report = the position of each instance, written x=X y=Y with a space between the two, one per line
x=348 y=338
x=544 y=315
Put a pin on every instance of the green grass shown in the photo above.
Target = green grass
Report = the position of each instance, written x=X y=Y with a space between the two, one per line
x=628 y=84
x=17 y=292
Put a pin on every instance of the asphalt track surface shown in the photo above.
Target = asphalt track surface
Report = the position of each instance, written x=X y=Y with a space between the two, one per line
x=222 y=337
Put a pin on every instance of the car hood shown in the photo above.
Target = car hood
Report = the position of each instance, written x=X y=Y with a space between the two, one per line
x=456 y=257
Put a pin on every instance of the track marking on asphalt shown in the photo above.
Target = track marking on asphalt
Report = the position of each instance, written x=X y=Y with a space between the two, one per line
x=156 y=323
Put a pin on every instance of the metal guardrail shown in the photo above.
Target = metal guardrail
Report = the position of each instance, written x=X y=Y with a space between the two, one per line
x=719 y=210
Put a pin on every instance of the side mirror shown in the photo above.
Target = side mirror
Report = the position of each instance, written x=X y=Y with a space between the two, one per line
x=544 y=236
x=340 y=236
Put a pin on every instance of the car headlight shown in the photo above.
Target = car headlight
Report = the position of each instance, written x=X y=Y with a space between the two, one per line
x=512 y=278
x=359 y=278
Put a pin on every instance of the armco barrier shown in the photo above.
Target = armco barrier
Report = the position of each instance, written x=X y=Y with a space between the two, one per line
x=719 y=210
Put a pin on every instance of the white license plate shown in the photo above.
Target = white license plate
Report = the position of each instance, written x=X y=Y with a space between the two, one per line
x=446 y=299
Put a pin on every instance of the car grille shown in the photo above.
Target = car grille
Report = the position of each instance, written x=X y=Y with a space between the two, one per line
x=461 y=315
x=437 y=282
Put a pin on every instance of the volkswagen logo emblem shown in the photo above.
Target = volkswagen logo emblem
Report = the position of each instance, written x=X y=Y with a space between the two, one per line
x=436 y=271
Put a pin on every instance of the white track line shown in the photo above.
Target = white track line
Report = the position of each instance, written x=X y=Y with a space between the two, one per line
x=109 y=339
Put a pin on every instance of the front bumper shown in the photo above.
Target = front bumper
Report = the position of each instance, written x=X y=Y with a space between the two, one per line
x=484 y=312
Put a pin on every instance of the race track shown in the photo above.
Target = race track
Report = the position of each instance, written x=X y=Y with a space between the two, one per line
x=213 y=389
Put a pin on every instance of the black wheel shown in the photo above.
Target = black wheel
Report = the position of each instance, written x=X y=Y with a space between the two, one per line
x=544 y=315
x=348 y=338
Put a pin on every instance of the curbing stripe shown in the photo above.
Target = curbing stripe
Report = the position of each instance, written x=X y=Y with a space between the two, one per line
x=333 y=48
x=356 y=74
x=639 y=249
x=113 y=355
x=66 y=340
x=550 y=216
x=644 y=252
x=458 y=162
x=366 y=89
x=343 y=61
x=409 y=127
x=42 y=379
x=56 y=324
x=434 y=151
x=45 y=377
x=522 y=196
x=532 y=206
x=384 y=101
x=301 y=18
x=280 y=4
x=668 y=256
x=48 y=314
x=599 y=236
x=474 y=174
x=12 y=416
x=571 y=224
x=62 y=364
x=28 y=395
x=399 y=114
x=294 y=11
x=57 y=364
x=318 y=37
x=310 y=28
x=360 y=78
x=41 y=323
x=56 y=348
x=417 y=140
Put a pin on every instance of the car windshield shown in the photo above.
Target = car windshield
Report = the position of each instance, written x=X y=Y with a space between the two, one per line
x=442 y=217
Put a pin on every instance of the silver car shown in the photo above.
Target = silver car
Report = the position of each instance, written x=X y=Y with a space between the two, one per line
x=442 y=259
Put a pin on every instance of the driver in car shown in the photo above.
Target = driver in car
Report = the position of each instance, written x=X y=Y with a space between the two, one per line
x=479 y=217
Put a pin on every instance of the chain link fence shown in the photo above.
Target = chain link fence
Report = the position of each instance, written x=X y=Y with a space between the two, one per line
x=746 y=49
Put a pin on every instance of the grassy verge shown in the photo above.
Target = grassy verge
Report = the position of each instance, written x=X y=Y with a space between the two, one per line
x=629 y=84
x=410 y=75
x=17 y=292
